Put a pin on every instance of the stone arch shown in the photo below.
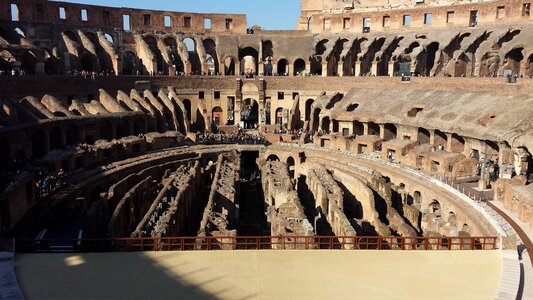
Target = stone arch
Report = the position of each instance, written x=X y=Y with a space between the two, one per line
x=151 y=41
x=325 y=124
x=283 y=67
x=129 y=63
x=273 y=157
x=211 y=50
x=390 y=132
x=358 y=128
x=308 y=108
x=194 y=58
x=279 y=116
x=188 y=108
x=29 y=62
x=373 y=129
x=249 y=58
x=39 y=144
x=423 y=136
x=172 y=45
x=291 y=166
x=249 y=113
x=56 y=138
x=73 y=135
x=435 y=207
x=315 y=119
x=440 y=139
x=299 y=67
x=513 y=60
x=217 y=116
x=458 y=143
x=230 y=65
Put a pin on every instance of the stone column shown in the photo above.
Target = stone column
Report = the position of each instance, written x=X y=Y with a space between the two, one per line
x=261 y=69
x=324 y=69
x=431 y=137
x=340 y=69
x=374 y=68
x=290 y=69
x=391 y=68
x=449 y=142
x=382 y=131
x=357 y=68
x=365 y=128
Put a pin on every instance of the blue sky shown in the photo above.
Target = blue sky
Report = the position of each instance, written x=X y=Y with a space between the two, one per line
x=270 y=14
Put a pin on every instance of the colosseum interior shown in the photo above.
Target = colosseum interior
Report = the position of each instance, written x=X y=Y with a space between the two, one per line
x=129 y=138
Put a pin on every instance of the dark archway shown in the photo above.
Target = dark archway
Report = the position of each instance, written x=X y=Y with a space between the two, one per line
x=129 y=66
x=211 y=50
x=391 y=132
x=139 y=126
x=308 y=108
x=358 y=128
x=299 y=67
x=29 y=62
x=325 y=124
x=38 y=144
x=106 y=130
x=123 y=129
x=218 y=117
x=373 y=129
x=423 y=136
x=87 y=63
x=188 y=109
x=316 y=119
x=249 y=58
x=283 y=67
x=273 y=157
x=291 y=166
x=249 y=113
x=56 y=138
x=73 y=135
x=152 y=44
x=229 y=66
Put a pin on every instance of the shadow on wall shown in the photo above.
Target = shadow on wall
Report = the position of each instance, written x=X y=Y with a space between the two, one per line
x=119 y=276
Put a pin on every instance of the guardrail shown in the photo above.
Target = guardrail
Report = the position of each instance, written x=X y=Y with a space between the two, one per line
x=259 y=243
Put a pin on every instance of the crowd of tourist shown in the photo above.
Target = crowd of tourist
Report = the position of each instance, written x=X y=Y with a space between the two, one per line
x=241 y=137
x=50 y=182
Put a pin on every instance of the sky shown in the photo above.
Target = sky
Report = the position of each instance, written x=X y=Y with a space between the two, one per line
x=269 y=14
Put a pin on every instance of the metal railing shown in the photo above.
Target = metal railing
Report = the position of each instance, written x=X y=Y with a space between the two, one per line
x=259 y=243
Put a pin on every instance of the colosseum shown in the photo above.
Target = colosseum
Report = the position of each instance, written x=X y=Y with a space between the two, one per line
x=380 y=150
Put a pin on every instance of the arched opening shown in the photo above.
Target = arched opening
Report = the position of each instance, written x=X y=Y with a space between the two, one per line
x=373 y=129
x=218 y=117
x=73 y=135
x=249 y=58
x=530 y=65
x=152 y=45
x=87 y=63
x=316 y=119
x=417 y=198
x=283 y=67
x=291 y=166
x=431 y=52
x=29 y=62
x=249 y=113
x=5 y=152
x=188 y=109
x=139 y=126
x=200 y=125
x=56 y=138
x=458 y=144
x=129 y=66
x=461 y=65
x=352 y=107
x=308 y=107
x=177 y=62
x=106 y=130
x=390 y=132
x=104 y=60
x=123 y=129
x=358 y=128
x=268 y=54
x=466 y=228
x=194 y=58
x=279 y=116
x=435 y=207
x=38 y=144
x=212 y=56
x=316 y=61
x=423 y=136
x=51 y=63
x=514 y=58
x=273 y=157
x=325 y=124
x=229 y=66
x=299 y=67
x=441 y=139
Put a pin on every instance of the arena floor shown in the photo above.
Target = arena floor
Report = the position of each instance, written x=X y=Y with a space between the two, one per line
x=261 y=275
